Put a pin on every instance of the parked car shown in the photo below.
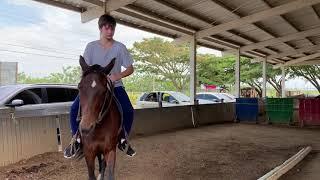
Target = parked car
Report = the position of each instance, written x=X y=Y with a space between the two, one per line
x=232 y=97
x=216 y=97
x=168 y=99
x=38 y=98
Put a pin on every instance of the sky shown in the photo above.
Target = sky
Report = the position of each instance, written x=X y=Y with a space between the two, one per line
x=43 y=38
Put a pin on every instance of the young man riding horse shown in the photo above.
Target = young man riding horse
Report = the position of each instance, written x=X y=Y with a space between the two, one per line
x=101 y=52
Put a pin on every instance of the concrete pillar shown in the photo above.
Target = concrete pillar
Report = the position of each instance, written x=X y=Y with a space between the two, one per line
x=264 y=76
x=283 y=86
x=193 y=79
x=237 y=75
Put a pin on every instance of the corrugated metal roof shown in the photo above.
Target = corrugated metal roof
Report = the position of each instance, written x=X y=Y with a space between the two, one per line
x=269 y=22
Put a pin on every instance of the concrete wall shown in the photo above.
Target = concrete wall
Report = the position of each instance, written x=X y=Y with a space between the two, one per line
x=24 y=134
x=215 y=113
x=22 y=138
x=155 y=120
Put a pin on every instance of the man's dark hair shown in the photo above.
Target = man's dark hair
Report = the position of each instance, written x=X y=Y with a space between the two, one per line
x=106 y=20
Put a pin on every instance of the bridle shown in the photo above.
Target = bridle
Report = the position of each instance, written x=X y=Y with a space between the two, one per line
x=106 y=105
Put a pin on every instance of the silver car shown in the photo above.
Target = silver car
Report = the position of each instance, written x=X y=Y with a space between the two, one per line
x=38 y=99
x=165 y=98
x=216 y=97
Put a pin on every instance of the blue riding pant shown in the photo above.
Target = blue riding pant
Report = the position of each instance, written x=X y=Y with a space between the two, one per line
x=127 y=111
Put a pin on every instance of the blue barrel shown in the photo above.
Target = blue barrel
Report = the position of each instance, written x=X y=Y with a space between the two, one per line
x=247 y=109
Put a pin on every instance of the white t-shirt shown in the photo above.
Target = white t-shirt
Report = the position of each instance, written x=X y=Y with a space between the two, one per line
x=96 y=54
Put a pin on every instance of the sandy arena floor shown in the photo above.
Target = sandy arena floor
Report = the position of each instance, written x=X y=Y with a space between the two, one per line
x=228 y=151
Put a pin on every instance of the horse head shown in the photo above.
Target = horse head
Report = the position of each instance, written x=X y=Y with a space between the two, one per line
x=96 y=92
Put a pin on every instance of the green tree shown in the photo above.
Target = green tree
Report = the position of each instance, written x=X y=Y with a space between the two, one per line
x=220 y=71
x=215 y=70
x=26 y=79
x=310 y=73
x=274 y=78
x=251 y=74
x=163 y=61
x=142 y=83
x=69 y=75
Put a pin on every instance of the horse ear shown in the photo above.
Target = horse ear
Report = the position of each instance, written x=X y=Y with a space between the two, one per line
x=109 y=67
x=83 y=64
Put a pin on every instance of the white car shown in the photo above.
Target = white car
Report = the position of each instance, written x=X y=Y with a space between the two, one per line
x=232 y=97
x=168 y=99
x=216 y=97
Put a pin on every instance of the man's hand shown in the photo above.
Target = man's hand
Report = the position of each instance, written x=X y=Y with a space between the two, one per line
x=115 y=77
x=125 y=73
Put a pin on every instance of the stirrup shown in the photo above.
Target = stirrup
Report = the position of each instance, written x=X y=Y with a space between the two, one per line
x=73 y=150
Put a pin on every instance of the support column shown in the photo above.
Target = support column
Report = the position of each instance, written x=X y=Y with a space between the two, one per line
x=193 y=79
x=264 y=76
x=237 y=75
x=283 y=86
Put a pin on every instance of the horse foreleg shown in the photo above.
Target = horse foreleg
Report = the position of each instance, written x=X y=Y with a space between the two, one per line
x=90 y=164
x=111 y=160
x=102 y=167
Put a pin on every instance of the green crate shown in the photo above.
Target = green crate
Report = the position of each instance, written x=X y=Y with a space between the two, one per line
x=279 y=110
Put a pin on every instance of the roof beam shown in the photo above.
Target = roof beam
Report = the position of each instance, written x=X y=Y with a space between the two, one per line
x=277 y=60
x=221 y=42
x=312 y=62
x=153 y=21
x=299 y=60
x=201 y=19
x=209 y=46
x=248 y=39
x=62 y=5
x=268 y=60
x=147 y=13
x=95 y=2
x=237 y=15
x=95 y=12
x=232 y=32
x=259 y=59
x=282 y=9
x=256 y=53
x=188 y=14
x=232 y=45
x=180 y=10
x=156 y=19
x=150 y=17
x=316 y=12
x=129 y=9
x=296 y=51
x=290 y=24
x=286 y=38
x=145 y=29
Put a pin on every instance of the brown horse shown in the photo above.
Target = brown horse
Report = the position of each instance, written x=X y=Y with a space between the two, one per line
x=101 y=121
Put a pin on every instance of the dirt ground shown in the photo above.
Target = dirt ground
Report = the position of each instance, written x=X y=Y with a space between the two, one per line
x=228 y=151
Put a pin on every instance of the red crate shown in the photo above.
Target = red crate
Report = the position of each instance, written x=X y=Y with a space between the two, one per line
x=309 y=111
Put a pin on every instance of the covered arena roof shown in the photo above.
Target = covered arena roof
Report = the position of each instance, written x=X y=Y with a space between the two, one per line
x=286 y=32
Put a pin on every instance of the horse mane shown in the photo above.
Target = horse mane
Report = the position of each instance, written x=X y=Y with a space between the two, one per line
x=93 y=69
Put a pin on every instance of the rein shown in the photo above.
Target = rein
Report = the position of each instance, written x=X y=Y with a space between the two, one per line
x=104 y=109
x=103 y=113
